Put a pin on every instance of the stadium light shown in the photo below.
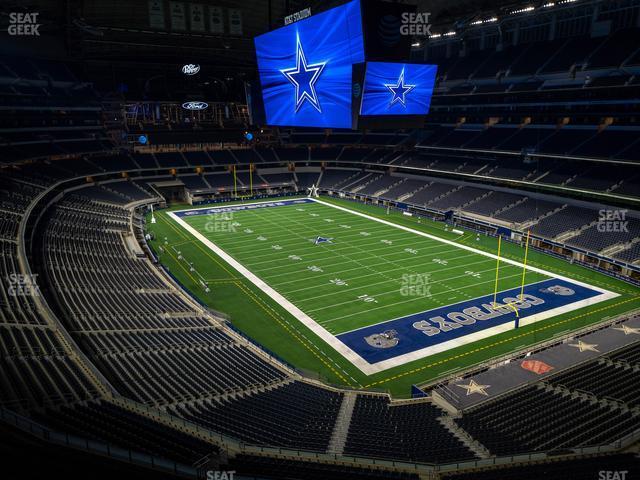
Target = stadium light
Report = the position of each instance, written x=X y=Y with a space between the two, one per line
x=522 y=10
x=487 y=20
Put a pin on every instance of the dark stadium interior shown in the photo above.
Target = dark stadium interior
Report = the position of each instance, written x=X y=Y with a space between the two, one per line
x=111 y=369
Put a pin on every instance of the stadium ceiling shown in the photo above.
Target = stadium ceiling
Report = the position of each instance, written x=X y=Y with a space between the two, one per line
x=114 y=30
x=442 y=11
x=447 y=12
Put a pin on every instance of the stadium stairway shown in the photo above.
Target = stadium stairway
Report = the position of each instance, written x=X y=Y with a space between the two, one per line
x=384 y=190
x=229 y=395
x=565 y=236
x=471 y=443
x=341 y=428
x=510 y=206
x=618 y=247
x=410 y=194
x=366 y=180
x=454 y=189
x=530 y=223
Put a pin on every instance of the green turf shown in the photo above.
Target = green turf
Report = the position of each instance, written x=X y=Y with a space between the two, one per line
x=369 y=267
x=369 y=273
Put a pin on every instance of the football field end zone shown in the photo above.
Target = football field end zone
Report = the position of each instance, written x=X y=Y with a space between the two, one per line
x=416 y=344
x=351 y=355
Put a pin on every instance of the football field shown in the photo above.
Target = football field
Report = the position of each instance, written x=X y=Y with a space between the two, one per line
x=379 y=293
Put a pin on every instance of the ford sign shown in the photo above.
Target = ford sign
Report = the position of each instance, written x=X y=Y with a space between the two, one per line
x=190 y=69
x=195 y=105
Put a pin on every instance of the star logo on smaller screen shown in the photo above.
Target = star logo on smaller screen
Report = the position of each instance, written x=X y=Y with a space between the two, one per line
x=304 y=77
x=399 y=90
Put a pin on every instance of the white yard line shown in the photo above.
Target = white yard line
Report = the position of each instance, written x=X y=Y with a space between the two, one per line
x=305 y=319
x=410 y=299
x=415 y=313
x=438 y=250
x=458 y=245
x=319 y=251
x=395 y=269
x=329 y=274
x=381 y=294
x=249 y=237
x=348 y=353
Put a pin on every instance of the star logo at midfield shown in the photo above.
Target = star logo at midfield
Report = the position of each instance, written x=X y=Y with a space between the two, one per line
x=473 y=387
x=585 y=347
x=399 y=90
x=304 y=77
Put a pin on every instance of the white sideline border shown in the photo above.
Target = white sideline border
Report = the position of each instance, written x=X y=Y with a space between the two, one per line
x=355 y=359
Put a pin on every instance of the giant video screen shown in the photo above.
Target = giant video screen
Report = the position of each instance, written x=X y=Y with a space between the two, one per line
x=397 y=89
x=305 y=68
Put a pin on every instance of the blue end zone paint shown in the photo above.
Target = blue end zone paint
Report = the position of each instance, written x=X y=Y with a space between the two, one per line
x=417 y=393
x=402 y=336
x=240 y=208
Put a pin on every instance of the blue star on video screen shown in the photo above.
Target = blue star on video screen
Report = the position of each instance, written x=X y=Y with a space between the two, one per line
x=305 y=68
x=397 y=88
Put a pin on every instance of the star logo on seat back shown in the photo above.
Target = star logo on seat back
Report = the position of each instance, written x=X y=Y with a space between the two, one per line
x=304 y=77
x=399 y=90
